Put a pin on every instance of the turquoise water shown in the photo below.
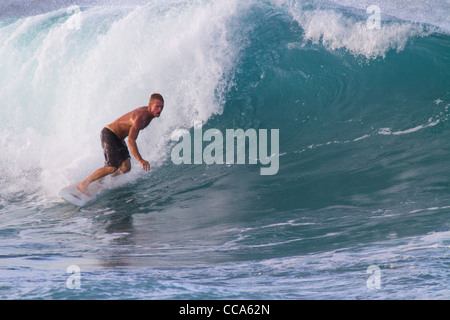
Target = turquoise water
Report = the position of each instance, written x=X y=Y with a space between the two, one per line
x=363 y=160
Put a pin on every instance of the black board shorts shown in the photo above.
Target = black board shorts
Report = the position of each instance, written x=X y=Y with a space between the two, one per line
x=114 y=149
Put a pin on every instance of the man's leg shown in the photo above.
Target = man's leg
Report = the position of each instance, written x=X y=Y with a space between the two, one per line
x=124 y=168
x=98 y=174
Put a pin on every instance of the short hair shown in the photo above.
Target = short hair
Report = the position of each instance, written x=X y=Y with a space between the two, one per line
x=156 y=96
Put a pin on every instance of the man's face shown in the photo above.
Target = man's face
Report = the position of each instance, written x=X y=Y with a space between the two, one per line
x=156 y=108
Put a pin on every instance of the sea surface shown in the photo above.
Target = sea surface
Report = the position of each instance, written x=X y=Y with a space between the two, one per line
x=360 y=94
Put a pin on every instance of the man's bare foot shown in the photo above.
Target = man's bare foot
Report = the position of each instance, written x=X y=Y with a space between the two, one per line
x=82 y=186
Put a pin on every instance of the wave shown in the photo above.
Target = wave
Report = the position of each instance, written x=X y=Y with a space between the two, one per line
x=359 y=110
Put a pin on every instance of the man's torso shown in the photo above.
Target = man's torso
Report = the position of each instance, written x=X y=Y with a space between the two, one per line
x=121 y=127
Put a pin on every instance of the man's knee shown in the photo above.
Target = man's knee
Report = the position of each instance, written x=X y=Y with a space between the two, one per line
x=111 y=170
x=126 y=166
x=126 y=169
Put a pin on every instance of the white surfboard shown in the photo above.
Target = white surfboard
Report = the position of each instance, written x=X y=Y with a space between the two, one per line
x=74 y=196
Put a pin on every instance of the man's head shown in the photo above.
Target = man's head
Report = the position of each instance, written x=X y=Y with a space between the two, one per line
x=156 y=104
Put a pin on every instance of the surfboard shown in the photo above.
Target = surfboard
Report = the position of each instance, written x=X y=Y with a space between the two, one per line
x=74 y=196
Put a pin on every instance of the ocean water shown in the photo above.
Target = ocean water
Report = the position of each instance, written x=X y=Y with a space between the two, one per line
x=359 y=208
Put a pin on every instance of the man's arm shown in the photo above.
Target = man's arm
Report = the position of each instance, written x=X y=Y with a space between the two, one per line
x=132 y=136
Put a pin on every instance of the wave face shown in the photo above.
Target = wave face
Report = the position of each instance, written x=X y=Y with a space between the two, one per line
x=362 y=115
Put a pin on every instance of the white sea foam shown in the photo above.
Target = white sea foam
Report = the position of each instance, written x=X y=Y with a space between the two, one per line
x=326 y=23
x=430 y=12
x=336 y=31
x=60 y=85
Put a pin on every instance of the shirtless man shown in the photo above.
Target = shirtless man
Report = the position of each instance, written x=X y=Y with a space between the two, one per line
x=117 y=157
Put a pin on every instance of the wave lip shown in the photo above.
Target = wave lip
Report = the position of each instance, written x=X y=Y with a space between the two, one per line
x=432 y=13
x=336 y=31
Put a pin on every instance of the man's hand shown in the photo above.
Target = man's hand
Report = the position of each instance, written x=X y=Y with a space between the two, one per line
x=145 y=165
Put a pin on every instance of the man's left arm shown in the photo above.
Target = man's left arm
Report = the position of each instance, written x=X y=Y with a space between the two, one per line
x=132 y=136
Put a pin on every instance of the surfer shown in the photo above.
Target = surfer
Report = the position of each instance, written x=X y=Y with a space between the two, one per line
x=117 y=157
